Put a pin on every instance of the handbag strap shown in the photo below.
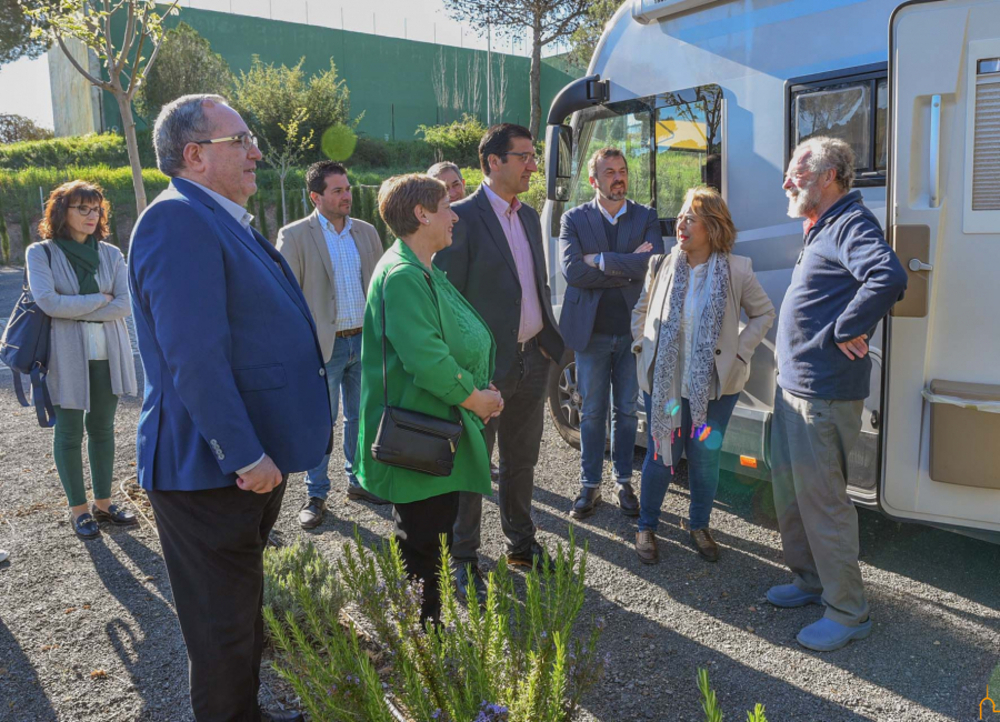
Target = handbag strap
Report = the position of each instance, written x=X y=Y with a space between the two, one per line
x=44 y=410
x=25 y=287
x=385 y=281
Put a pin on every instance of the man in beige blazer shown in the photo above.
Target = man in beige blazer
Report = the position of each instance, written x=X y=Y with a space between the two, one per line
x=332 y=256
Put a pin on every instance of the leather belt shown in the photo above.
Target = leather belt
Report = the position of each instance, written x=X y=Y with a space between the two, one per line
x=528 y=345
x=348 y=333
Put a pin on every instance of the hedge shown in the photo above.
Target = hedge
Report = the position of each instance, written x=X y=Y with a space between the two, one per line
x=21 y=200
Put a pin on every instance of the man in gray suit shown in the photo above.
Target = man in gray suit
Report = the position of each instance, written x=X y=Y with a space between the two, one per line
x=496 y=260
x=332 y=257
x=605 y=247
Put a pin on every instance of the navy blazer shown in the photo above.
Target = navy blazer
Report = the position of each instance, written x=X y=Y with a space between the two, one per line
x=480 y=265
x=232 y=364
x=583 y=233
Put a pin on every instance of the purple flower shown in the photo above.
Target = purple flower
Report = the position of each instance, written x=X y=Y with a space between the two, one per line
x=436 y=713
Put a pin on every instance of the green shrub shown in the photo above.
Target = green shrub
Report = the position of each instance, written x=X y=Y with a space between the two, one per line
x=288 y=571
x=457 y=141
x=407 y=155
x=509 y=661
x=105 y=148
x=710 y=704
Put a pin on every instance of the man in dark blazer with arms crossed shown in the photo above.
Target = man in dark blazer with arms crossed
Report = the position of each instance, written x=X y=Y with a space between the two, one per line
x=497 y=261
x=235 y=395
x=604 y=247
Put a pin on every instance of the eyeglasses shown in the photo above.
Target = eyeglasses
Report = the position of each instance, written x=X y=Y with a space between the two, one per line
x=85 y=211
x=526 y=157
x=247 y=140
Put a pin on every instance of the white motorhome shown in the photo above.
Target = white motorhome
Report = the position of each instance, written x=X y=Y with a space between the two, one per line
x=719 y=92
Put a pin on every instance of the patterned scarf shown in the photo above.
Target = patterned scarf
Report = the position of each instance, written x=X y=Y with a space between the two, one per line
x=667 y=405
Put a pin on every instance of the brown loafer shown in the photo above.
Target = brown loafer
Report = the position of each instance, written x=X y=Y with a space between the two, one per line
x=645 y=547
x=705 y=544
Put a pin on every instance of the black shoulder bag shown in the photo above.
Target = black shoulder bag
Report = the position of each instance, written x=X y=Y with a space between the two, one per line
x=24 y=347
x=411 y=439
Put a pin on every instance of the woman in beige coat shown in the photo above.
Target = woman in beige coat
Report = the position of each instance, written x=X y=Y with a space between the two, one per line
x=82 y=284
x=693 y=360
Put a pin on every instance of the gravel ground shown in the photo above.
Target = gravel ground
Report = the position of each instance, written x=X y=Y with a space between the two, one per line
x=87 y=631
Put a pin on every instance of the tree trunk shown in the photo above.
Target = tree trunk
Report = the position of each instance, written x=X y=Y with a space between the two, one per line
x=536 y=77
x=128 y=128
x=284 y=206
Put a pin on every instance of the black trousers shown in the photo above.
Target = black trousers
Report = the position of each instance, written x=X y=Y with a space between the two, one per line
x=519 y=429
x=419 y=526
x=213 y=544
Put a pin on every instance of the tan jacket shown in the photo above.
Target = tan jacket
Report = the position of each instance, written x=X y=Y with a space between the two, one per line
x=745 y=293
x=304 y=247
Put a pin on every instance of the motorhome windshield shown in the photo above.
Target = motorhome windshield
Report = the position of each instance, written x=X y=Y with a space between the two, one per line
x=672 y=141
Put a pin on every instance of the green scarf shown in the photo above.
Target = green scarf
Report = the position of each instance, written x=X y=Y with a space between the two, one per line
x=85 y=260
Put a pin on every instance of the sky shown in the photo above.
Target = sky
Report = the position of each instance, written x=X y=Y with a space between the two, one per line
x=25 y=88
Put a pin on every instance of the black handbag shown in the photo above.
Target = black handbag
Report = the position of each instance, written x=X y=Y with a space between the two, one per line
x=24 y=347
x=411 y=439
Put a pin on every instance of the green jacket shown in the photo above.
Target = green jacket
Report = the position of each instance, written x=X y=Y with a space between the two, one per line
x=428 y=356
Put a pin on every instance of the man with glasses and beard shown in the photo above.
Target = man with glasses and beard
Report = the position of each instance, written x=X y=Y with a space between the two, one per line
x=845 y=280
x=604 y=248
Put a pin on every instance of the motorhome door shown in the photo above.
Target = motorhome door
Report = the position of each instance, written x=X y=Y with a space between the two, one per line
x=941 y=432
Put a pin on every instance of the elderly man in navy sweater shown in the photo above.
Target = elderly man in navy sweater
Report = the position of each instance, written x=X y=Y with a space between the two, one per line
x=845 y=280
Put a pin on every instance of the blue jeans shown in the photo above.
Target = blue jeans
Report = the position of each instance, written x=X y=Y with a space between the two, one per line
x=703 y=464
x=343 y=375
x=605 y=372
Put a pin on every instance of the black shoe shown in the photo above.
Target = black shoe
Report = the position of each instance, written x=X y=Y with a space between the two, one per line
x=466 y=575
x=311 y=515
x=118 y=517
x=528 y=556
x=586 y=504
x=284 y=715
x=359 y=493
x=626 y=501
x=494 y=472
x=85 y=526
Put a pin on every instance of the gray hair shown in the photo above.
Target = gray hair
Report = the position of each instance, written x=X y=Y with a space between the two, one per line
x=826 y=153
x=437 y=169
x=180 y=122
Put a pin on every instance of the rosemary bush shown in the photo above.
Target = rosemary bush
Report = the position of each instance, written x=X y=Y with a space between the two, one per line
x=512 y=661
x=710 y=705
x=297 y=571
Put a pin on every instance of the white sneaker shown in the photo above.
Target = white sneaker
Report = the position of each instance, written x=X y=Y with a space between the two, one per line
x=3 y=556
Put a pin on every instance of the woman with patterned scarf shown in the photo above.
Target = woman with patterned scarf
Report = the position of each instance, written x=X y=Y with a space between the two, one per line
x=693 y=360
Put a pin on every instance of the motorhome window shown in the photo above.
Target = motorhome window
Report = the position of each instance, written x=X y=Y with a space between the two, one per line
x=850 y=104
x=626 y=126
x=840 y=111
x=688 y=138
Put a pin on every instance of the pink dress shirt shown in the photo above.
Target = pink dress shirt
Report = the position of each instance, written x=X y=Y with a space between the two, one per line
x=517 y=239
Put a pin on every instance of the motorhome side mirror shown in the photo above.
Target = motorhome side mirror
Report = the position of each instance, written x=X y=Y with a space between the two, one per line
x=558 y=161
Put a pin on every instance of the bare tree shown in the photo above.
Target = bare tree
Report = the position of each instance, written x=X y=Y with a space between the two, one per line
x=474 y=85
x=125 y=66
x=439 y=81
x=547 y=21
x=499 y=90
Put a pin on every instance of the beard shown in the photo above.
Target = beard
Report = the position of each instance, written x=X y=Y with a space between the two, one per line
x=615 y=193
x=803 y=201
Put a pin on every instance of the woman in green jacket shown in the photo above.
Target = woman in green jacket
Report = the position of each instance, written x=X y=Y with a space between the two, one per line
x=439 y=359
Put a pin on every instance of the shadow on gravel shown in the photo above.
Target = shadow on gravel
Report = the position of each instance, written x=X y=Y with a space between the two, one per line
x=141 y=653
x=946 y=561
x=22 y=706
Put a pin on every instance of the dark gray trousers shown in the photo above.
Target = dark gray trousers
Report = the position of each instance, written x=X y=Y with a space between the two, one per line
x=518 y=430
x=213 y=544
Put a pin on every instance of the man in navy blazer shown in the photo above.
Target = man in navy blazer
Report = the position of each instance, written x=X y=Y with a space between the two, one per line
x=605 y=247
x=235 y=395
